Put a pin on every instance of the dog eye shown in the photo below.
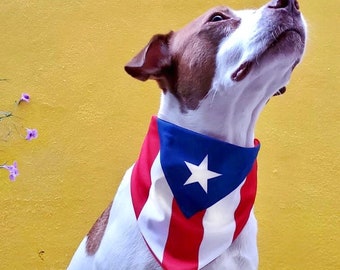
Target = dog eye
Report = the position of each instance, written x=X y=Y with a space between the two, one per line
x=217 y=18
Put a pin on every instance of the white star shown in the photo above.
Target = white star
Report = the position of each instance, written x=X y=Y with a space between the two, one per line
x=200 y=174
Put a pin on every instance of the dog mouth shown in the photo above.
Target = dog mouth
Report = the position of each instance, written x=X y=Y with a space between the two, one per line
x=281 y=91
x=288 y=40
x=242 y=71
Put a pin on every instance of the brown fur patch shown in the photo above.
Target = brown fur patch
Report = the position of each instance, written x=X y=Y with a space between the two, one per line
x=95 y=235
x=194 y=50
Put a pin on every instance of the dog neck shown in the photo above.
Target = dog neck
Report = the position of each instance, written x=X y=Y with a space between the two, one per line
x=232 y=121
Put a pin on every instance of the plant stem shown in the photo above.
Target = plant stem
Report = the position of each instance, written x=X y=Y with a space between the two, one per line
x=5 y=115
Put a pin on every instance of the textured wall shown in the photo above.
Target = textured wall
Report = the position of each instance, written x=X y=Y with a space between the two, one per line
x=92 y=117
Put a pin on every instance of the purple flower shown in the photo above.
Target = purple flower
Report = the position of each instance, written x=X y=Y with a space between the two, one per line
x=24 y=97
x=13 y=170
x=31 y=134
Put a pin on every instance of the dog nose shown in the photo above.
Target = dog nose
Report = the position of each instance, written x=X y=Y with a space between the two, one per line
x=285 y=4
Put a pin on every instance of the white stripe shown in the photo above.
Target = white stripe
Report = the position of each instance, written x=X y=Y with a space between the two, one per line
x=154 y=219
x=219 y=227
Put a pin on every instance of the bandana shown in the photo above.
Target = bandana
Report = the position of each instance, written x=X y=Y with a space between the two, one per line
x=192 y=194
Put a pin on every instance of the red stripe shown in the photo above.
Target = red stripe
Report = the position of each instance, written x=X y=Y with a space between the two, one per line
x=141 y=178
x=248 y=193
x=184 y=239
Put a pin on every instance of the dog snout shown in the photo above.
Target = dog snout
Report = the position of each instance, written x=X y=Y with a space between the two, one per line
x=291 y=5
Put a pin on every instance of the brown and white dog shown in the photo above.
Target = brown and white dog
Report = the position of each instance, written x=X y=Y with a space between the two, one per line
x=216 y=75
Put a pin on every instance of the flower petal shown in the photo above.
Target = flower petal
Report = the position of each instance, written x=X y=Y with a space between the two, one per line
x=31 y=134
x=12 y=169
x=25 y=97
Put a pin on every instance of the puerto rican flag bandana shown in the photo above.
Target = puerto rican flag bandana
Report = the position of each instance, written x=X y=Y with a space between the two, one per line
x=192 y=194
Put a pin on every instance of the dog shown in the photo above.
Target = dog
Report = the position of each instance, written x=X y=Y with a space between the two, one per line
x=187 y=202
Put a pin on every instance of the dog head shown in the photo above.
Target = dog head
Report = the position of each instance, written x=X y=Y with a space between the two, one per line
x=225 y=49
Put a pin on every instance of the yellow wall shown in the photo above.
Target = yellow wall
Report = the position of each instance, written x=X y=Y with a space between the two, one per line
x=92 y=117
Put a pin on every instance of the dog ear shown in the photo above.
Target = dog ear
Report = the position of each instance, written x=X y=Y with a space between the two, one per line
x=152 y=60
